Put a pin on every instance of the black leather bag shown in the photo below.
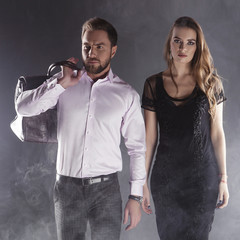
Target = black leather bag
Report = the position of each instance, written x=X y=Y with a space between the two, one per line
x=43 y=127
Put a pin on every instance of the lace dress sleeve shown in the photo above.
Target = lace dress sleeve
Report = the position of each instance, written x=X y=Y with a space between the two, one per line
x=149 y=94
x=220 y=97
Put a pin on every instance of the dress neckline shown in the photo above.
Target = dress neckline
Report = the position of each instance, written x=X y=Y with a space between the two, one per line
x=177 y=99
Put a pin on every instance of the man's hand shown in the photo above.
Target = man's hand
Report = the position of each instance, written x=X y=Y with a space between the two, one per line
x=69 y=78
x=132 y=210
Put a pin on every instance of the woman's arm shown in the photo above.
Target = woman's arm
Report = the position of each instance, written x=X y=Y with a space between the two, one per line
x=151 y=142
x=219 y=144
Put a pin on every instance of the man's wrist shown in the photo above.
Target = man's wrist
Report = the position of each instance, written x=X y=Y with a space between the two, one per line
x=139 y=199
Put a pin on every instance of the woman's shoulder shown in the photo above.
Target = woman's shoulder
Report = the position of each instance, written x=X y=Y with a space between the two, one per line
x=153 y=79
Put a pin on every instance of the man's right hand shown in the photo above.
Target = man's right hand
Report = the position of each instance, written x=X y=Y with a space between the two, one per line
x=69 y=79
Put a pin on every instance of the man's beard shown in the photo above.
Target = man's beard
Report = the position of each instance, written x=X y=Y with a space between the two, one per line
x=96 y=69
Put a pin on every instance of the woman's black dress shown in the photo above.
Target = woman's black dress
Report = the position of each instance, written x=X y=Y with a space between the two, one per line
x=184 y=180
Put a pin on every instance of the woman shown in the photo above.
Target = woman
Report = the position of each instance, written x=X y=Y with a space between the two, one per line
x=189 y=173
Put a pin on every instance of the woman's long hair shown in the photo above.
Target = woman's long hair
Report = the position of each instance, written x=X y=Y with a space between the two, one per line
x=202 y=63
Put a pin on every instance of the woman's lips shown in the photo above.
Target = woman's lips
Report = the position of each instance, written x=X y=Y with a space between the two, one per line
x=182 y=55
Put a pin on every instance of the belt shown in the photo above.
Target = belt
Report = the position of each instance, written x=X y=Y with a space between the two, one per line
x=87 y=181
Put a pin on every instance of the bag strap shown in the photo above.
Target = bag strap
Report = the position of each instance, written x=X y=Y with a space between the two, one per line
x=62 y=63
x=31 y=82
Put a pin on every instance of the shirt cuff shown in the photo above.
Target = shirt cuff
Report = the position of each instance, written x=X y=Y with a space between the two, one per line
x=53 y=83
x=59 y=88
x=136 y=189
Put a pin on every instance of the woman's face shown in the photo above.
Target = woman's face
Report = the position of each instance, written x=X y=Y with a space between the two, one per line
x=183 y=44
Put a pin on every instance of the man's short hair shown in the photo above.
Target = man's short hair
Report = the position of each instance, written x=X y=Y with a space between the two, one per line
x=101 y=24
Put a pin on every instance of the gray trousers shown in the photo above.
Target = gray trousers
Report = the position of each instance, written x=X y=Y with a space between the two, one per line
x=98 y=203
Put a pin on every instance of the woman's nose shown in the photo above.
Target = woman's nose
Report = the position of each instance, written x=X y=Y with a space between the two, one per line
x=182 y=46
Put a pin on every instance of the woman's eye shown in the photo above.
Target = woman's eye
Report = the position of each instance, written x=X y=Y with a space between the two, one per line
x=177 y=41
x=191 y=43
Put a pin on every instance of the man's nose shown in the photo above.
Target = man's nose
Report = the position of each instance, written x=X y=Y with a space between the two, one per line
x=92 y=52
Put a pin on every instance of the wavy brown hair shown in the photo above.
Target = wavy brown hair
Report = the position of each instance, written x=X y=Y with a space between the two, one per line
x=202 y=63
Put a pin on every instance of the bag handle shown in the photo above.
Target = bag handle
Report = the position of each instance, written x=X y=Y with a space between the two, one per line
x=62 y=63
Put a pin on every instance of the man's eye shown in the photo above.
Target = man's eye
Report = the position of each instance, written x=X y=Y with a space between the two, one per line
x=99 y=47
x=86 y=47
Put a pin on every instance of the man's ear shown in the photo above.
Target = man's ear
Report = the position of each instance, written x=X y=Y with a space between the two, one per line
x=114 y=50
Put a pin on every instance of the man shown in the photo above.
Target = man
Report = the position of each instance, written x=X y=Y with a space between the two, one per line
x=95 y=107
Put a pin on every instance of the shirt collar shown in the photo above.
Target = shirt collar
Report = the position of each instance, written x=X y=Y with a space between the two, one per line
x=109 y=77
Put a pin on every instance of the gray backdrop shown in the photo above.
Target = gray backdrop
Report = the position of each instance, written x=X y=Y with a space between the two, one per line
x=35 y=33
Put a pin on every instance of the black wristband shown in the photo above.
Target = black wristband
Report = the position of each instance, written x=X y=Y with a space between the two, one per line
x=136 y=198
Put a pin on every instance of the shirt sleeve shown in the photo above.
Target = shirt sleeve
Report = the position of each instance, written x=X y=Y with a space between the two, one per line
x=149 y=96
x=133 y=131
x=33 y=102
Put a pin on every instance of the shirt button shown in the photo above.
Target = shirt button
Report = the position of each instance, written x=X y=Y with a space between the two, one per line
x=90 y=116
x=87 y=132
x=86 y=148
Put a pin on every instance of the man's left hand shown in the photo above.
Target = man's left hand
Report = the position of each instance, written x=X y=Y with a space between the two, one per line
x=132 y=210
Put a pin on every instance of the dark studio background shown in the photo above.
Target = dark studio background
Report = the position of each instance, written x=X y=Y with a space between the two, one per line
x=35 y=33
